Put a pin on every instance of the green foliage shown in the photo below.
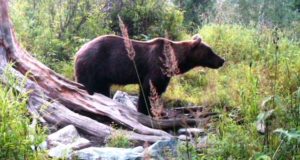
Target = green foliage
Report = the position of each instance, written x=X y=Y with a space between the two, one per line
x=267 y=12
x=253 y=70
x=196 y=12
x=147 y=19
x=260 y=13
x=289 y=145
x=67 y=68
x=187 y=151
x=292 y=135
x=18 y=140
x=233 y=141
x=54 y=30
x=261 y=156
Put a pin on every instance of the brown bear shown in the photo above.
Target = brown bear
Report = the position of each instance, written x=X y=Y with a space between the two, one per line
x=104 y=61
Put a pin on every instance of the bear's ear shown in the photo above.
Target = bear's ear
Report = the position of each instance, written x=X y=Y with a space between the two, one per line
x=197 y=39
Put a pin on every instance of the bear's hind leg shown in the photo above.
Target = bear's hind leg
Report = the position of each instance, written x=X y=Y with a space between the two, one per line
x=87 y=82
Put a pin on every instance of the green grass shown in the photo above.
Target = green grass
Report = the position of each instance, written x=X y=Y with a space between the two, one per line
x=254 y=71
x=17 y=139
x=118 y=139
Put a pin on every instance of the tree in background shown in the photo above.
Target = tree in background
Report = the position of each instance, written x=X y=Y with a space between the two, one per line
x=55 y=29
x=196 y=12
x=297 y=5
x=271 y=13
x=146 y=19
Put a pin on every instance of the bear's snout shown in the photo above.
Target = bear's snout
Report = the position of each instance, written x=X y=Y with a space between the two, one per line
x=217 y=62
x=221 y=62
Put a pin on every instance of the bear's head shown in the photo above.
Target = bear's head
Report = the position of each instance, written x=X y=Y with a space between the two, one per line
x=202 y=55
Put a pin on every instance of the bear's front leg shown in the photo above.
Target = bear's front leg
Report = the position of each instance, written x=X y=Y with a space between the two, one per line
x=143 y=102
x=160 y=84
x=104 y=89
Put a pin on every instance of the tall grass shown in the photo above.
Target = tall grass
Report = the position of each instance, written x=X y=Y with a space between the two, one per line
x=18 y=140
x=169 y=59
x=256 y=68
x=118 y=139
x=157 y=107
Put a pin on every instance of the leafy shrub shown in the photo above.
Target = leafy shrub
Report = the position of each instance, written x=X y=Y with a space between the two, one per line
x=272 y=13
x=196 y=13
x=254 y=70
x=148 y=19
x=18 y=140
x=187 y=151
x=66 y=68
x=54 y=30
x=233 y=141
